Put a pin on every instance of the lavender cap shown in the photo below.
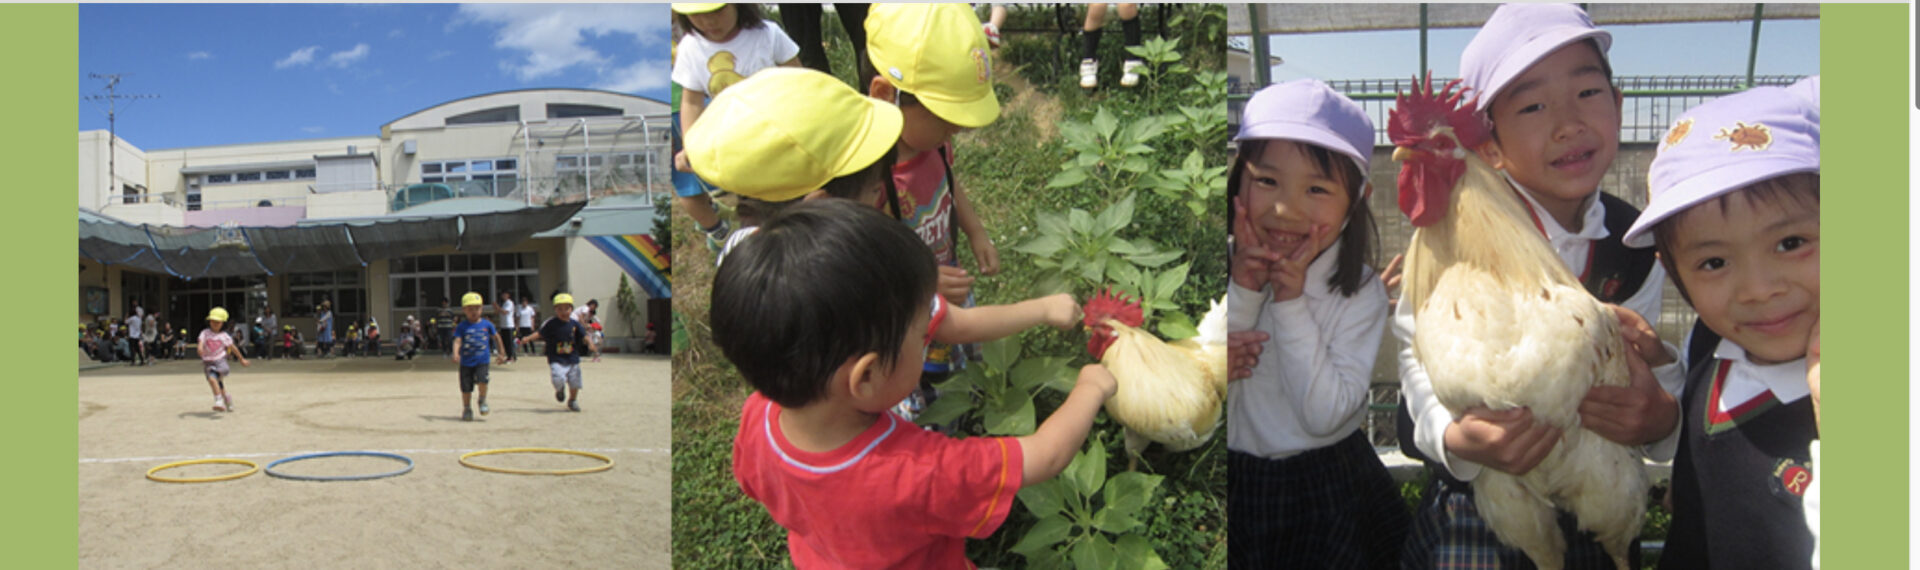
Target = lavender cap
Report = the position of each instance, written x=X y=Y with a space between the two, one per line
x=1516 y=37
x=1309 y=111
x=1727 y=144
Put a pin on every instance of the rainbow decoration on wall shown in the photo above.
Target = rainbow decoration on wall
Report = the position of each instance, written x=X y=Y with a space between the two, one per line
x=642 y=259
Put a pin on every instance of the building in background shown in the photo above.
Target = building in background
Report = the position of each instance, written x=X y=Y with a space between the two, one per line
x=528 y=191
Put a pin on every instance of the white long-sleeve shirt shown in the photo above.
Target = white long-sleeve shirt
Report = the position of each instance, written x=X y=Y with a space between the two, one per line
x=1309 y=389
x=1431 y=419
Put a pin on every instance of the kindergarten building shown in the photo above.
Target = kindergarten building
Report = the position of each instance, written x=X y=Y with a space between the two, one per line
x=527 y=191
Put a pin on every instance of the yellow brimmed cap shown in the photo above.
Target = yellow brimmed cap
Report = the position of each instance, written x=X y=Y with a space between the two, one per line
x=785 y=132
x=697 y=7
x=563 y=299
x=217 y=314
x=937 y=52
x=472 y=300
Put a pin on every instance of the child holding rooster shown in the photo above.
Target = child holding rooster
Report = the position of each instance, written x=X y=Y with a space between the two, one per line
x=1541 y=80
x=1308 y=491
x=1735 y=215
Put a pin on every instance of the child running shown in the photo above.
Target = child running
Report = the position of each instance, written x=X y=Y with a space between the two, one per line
x=1308 y=490
x=476 y=341
x=1540 y=76
x=566 y=340
x=215 y=347
x=1735 y=215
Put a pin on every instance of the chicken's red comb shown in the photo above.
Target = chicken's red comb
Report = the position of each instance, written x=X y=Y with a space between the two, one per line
x=1109 y=305
x=1415 y=116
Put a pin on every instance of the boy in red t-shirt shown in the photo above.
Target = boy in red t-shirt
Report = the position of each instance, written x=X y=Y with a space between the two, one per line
x=827 y=312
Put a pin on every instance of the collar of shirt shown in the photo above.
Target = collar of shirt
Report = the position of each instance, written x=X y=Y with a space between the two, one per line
x=1319 y=271
x=1593 y=220
x=1746 y=379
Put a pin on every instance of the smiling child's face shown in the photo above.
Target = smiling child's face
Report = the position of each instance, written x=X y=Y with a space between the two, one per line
x=1557 y=126
x=1288 y=196
x=1752 y=269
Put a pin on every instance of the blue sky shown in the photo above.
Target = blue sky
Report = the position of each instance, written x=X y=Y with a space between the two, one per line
x=239 y=73
x=1787 y=47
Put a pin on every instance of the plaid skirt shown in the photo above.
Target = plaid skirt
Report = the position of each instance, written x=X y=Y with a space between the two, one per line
x=1333 y=507
x=1448 y=534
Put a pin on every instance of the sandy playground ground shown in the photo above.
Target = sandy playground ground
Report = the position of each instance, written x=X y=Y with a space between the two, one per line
x=441 y=515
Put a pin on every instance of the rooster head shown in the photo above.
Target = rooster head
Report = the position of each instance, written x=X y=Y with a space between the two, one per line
x=1434 y=132
x=1103 y=307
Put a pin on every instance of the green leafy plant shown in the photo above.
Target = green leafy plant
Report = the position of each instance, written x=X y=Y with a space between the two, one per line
x=1083 y=249
x=1193 y=183
x=999 y=390
x=1108 y=154
x=1090 y=521
x=628 y=306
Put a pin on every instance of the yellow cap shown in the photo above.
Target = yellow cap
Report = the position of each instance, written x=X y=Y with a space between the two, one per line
x=563 y=299
x=937 y=52
x=83 y=326
x=217 y=314
x=472 y=300
x=697 y=7
x=786 y=131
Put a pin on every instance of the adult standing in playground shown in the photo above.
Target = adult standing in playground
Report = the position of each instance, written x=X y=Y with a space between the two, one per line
x=507 y=320
x=133 y=337
x=527 y=311
x=150 y=335
x=325 y=334
x=271 y=324
x=443 y=326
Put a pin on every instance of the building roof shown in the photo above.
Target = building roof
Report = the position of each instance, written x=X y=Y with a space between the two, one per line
x=531 y=103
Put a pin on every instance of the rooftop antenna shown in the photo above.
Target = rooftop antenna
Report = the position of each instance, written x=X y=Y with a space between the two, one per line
x=112 y=98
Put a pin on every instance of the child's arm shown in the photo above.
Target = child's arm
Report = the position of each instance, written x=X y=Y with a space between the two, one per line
x=982 y=324
x=455 y=353
x=1324 y=369
x=985 y=257
x=1048 y=451
x=692 y=104
x=235 y=352
x=499 y=348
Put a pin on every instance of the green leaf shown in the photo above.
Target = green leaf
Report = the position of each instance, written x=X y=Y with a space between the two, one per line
x=1136 y=164
x=1001 y=353
x=1044 y=535
x=1139 y=149
x=1171 y=281
x=1105 y=124
x=1044 y=246
x=1036 y=372
x=1154 y=259
x=1122 y=213
x=1094 y=553
x=1052 y=223
x=1012 y=415
x=1124 y=247
x=946 y=408
x=1193 y=163
x=1124 y=273
x=1176 y=325
x=1128 y=492
x=1113 y=521
x=1045 y=499
x=1136 y=553
x=1092 y=270
x=1066 y=178
x=1145 y=129
x=1080 y=221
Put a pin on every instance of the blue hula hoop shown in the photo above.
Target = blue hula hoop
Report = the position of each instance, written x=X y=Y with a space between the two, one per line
x=402 y=470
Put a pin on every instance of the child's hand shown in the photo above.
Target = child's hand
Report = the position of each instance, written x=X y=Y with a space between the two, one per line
x=1640 y=337
x=1289 y=276
x=1098 y=377
x=1243 y=353
x=1061 y=311
x=984 y=254
x=680 y=162
x=1390 y=279
x=1506 y=440
x=1636 y=414
x=954 y=283
x=1252 y=259
x=243 y=362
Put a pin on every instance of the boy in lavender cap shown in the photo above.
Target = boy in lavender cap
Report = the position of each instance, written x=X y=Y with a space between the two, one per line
x=1734 y=211
x=1308 y=490
x=1540 y=74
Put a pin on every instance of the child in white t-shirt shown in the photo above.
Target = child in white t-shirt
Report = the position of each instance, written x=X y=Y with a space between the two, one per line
x=724 y=44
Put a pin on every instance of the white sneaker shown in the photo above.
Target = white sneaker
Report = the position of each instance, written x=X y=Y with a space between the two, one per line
x=219 y=405
x=229 y=400
x=1130 y=72
x=1088 y=70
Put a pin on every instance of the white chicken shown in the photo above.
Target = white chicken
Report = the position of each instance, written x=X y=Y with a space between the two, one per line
x=1501 y=323
x=1170 y=393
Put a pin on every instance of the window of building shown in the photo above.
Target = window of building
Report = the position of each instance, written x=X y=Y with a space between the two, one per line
x=189 y=301
x=568 y=111
x=420 y=282
x=279 y=175
x=346 y=289
x=508 y=114
x=480 y=177
x=219 y=178
x=303 y=173
x=246 y=177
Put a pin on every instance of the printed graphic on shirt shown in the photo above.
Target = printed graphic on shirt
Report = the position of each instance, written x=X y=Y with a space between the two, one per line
x=1790 y=478
x=723 y=76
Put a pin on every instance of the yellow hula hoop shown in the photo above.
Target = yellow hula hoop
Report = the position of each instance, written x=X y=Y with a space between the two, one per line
x=594 y=469
x=251 y=468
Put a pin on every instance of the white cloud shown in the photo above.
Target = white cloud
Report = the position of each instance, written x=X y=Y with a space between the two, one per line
x=345 y=58
x=300 y=56
x=396 y=33
x=640 y=76
x=548 y=39
x=199 y=55
x=313 y=130
x=440 y=55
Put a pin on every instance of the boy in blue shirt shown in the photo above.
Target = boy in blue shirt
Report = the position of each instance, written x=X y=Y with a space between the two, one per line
x=470 y=342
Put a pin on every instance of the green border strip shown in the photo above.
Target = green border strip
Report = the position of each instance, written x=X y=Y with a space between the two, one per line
x=39 y=156
x=1864 y=475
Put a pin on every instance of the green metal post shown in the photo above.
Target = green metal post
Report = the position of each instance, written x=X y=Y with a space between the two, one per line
x=1753 y=47
x=1262 y=72
x=1423 y=42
